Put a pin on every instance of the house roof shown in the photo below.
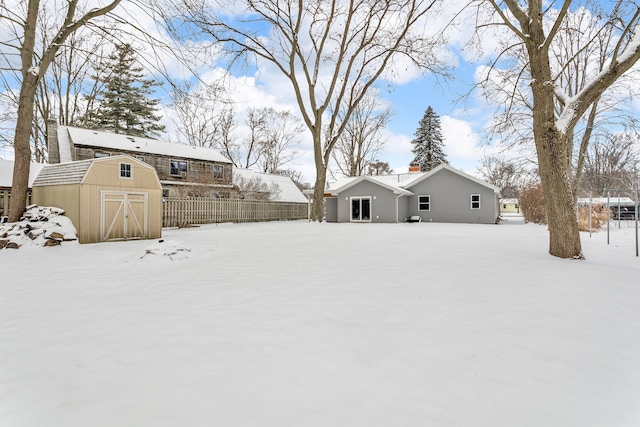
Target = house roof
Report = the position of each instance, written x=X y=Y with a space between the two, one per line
x=114 y=141
x=6 y=173
x=289 y=191
x=346 y=183
x=73 y=172
x=402 y=183
x=613 y=201
x=450 y=168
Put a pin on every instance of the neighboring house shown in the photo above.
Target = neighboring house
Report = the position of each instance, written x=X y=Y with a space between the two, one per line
x=267 y=186
x=444 y=194
x=6 y=180
x=183 y=170
x=509 y=206
x=621 y=207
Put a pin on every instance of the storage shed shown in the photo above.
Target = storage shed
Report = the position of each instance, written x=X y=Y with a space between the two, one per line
x=110 y=198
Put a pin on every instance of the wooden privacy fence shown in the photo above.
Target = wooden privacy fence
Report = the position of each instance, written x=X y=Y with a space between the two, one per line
x=4 y=201
x=178 y=212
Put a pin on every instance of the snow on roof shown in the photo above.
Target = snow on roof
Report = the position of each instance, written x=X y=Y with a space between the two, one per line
x=6 y=172
x=613 y=201
x=402 y=183
x=450 y=168
x=384 y=181
x=289 y=191
x=116 y=141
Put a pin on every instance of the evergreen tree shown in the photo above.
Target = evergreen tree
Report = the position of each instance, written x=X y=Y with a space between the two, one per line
x=123 y=105
x=428 y=142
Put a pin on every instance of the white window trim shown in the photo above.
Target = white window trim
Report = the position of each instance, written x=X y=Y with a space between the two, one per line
x=479 y=202
x=351 y=206
x=429 y=202
x=120 y=170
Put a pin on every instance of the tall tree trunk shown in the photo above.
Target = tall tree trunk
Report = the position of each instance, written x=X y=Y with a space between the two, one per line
x=564 y=234
x=22 y=147
x=317 y=209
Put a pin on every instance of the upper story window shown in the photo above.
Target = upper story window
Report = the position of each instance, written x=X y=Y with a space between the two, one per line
x=424 y=203
x=100 y=154
x=178 y=168
x=126 y=171
x=475 y=201
x=218 y=171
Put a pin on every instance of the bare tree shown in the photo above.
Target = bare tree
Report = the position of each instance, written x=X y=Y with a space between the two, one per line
x=201 y=114
x=360 y=143
x=507 y=175
x=331 y=51
x=557 y=109
x=281 y=132
x=612 y=163
x=378 y=167
x=23 y=21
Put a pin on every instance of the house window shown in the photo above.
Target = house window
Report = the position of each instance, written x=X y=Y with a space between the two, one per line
x=424 y=203
x=361 y=209
x=141 y=158
x=125 y=170
x=475 y=201
x=218 y=172
x=504 y=206
x=178 y=168
x=100 y=154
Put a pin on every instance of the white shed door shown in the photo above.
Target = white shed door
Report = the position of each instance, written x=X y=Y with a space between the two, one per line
x=124 y=215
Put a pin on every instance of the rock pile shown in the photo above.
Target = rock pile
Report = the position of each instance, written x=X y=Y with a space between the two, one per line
x=39 y=225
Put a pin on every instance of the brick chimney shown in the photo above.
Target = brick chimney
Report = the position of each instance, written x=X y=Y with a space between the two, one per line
x=414 y=169
x=52 y=141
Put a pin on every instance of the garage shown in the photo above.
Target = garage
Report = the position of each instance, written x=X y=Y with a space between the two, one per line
x=109 y=198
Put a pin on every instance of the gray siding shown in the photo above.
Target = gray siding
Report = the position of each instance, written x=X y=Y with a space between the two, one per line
x=451 y=199
x=383 y=202
x=331 y=209
x=403 y=208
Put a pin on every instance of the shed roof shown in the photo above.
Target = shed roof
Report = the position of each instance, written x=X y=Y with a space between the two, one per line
x=6 y=173
x=114 y=141
x=73 y=172
x=289 y=191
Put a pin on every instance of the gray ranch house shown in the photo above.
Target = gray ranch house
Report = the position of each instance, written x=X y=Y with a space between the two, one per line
x=443 y=194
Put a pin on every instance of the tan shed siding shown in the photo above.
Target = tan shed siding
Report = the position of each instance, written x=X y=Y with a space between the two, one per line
x=108 y=173
x=66 y=197
x=91 y=200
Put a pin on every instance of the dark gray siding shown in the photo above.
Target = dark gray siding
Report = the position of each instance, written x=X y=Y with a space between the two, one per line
x=450 y=196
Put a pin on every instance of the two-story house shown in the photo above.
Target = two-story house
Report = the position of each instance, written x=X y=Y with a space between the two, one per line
x=183 y=170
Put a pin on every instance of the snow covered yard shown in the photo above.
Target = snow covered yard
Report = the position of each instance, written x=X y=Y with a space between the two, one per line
x=306 y=324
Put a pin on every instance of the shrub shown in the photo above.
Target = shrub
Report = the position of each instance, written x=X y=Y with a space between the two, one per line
x=532 y=204
x=598 y=217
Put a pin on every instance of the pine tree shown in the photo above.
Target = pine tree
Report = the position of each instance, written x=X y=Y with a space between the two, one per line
x=428 y=142
x=123 y=105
